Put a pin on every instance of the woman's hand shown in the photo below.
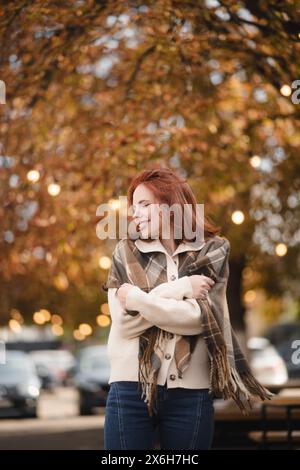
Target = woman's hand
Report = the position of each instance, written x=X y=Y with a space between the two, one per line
x=201 y=285
x=122 y=293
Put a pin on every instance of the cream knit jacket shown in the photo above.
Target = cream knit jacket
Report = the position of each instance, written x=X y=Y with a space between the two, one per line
x=164 y=307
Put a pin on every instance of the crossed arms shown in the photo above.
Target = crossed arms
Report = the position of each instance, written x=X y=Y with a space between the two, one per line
x=163 y=307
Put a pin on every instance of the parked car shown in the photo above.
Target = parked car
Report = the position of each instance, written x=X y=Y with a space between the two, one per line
x=285 y=337
x=19 y=385
x=53 y=365
x=46 y=376
x=91 y=378
x=267 y=365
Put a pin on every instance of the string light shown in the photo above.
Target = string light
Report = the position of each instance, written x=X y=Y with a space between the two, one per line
x=14 y=325
x=255 y=161
x=286 y=90
x=39 y=318
x=103 y=320
x=54 y=189
x=33 y=176
x=281 y=249
x=56 y=319
x=78 y=336
x=105 y=309
x=250 y=296
x=104 y=262
x=237 y=217
x=57 y=330
x=85 y=329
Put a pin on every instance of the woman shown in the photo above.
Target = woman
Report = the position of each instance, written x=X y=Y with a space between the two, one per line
x=162 y=335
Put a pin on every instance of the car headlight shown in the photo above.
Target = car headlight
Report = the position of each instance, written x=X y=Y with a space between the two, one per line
x=30 y=390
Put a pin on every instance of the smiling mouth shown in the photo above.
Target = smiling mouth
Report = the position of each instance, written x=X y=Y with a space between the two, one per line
x=144 y=222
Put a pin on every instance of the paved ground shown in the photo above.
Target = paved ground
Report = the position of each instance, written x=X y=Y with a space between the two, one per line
x=57 y=427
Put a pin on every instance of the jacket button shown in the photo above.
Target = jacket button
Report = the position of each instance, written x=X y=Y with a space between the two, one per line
x=168 y=356
x=172 y=377
x=173 y=277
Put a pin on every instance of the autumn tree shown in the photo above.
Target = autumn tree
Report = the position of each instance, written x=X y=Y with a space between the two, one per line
x=95 y=91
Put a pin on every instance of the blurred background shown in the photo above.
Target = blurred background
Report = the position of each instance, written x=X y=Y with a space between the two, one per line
x=91 y=93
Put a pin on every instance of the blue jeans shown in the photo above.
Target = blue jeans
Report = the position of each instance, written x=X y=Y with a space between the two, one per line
x=185 y=418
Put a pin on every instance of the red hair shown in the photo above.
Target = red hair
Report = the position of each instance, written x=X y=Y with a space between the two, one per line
x=170 y=188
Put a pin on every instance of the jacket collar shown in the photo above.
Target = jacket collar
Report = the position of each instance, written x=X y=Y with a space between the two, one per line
x=156 y=245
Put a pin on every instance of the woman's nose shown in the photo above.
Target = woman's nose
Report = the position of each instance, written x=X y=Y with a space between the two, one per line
x=136 y=212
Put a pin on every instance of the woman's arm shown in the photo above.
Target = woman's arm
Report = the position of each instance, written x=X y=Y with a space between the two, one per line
x=176 y=316
x=130 y=326
x=175 y=291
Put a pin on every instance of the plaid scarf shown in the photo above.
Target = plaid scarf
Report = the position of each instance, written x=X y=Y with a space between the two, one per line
x=230 y=374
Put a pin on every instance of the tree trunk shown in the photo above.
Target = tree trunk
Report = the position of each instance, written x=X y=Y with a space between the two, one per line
x=235 y=301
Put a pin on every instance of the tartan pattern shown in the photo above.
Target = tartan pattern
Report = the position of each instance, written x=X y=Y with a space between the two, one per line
x=230 y=375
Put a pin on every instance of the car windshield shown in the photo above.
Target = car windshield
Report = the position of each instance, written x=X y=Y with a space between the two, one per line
x=53 y=358
x=15 y=368
x=90 y=363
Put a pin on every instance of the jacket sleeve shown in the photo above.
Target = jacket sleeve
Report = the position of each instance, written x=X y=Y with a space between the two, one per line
x=168 y=300
x=166 y=311
x=130 y=326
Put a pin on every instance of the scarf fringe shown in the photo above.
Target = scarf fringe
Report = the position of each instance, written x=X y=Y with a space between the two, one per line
x=241 y=387
x=148 y=376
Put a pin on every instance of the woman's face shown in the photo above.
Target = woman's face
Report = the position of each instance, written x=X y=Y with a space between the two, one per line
x=145 y=212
